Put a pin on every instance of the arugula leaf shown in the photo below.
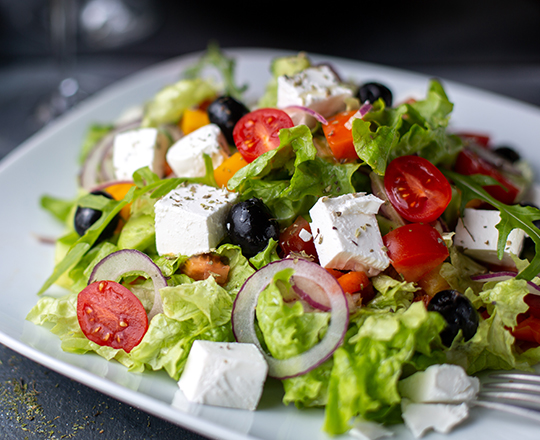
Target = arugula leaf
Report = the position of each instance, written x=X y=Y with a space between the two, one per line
x=512 y=216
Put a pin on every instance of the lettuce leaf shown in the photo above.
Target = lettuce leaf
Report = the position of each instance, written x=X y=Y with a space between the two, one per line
x=292 y=177
x=378 y=348
x=410 y=128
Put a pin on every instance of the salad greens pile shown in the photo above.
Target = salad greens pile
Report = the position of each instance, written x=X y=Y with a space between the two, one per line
x=388 y=338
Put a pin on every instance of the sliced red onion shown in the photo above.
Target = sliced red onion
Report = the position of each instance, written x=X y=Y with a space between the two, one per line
x=113 y=266
x=503 y=276
x=90 y=174
x=362 y=111
x=243 y=316
x=309 y=111
x=317 y=298
x=377 y=187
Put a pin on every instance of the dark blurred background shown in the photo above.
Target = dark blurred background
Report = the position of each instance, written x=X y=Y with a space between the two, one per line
x=492 y=45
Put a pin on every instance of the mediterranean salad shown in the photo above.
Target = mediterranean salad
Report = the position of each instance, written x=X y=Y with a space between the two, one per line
x=358 y=245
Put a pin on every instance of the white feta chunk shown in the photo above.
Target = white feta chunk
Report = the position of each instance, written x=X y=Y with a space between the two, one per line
x=318 y=88
x=441 y=417
x=443 y=383
x=190 y=219
x=477 y=235
x=185 y=156
x=346 y=233
x=141 y=147
x=305 y=235
x=224 y=374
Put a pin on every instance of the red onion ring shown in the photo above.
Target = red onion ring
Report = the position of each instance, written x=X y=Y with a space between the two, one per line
x=502 y=276
x=309 y=111
x=243 y=316
x=317 y=298
x=114 y=265
x=89 y=175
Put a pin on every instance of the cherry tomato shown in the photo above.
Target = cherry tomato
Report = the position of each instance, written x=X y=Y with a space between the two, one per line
x=258 y=132
x=339 y=137
x=416 y=188
x=528 y=330
x=294 y=240
x=468 y=163
x=415 y=250
x=110 y=314
x=480 y=139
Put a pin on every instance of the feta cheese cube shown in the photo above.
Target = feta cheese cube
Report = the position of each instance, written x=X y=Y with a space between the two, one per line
x=185 y=156
x=441 y=417
x=315 y=87
x=224 y=374
x=346 y=233
x=477 y=235
x=443 y=383
x=141 y=147
x=190 y=219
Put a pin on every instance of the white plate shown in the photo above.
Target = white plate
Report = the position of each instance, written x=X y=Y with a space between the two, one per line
x=46 y=163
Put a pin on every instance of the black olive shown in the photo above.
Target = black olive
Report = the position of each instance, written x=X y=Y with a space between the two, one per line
x=86 y=217
x=225 y=112
x=507 y=153
x=458 y=312
x=250 y=225
x=372 y=91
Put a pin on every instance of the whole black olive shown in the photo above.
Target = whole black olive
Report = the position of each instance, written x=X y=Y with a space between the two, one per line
x=86 y=217
x=507 y=153
x=458 y=313
x=372 y=91
x=225 y=112
x=251 y=226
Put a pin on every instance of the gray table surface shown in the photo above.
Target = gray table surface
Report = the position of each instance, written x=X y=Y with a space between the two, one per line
x=38 y=403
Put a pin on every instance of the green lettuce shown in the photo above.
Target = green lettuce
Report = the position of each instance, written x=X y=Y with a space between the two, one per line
x=378 y=349
x=292 y=177
x=492 y=347
x=410 y=128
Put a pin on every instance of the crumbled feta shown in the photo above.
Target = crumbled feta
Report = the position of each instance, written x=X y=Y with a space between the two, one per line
x=477 y=234
x=141 y=147
x=315 y=87
x=441 y=417
x=305 y=235
x=185 y=156
x=443 y=383
x=224 y=374
x=346 y=233
x=190 y=219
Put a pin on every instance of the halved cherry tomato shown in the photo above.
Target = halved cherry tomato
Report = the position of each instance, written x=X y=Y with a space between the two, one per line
x=415 y=250
x=339 y=137
x=200 y=267
x=294 y=240
x=528 y=330
x=416 y=188
x=468 y=163
x=110 y=314
x=258 y=132
x=480 y=139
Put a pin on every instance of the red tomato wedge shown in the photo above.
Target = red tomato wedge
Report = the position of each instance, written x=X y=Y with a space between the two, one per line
x=293 y=240
x=468 y=163
x=110 y=314
x=258 y=132
x=415 y=250
x=528 y=330
x=417 y=190
x=339 y=137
